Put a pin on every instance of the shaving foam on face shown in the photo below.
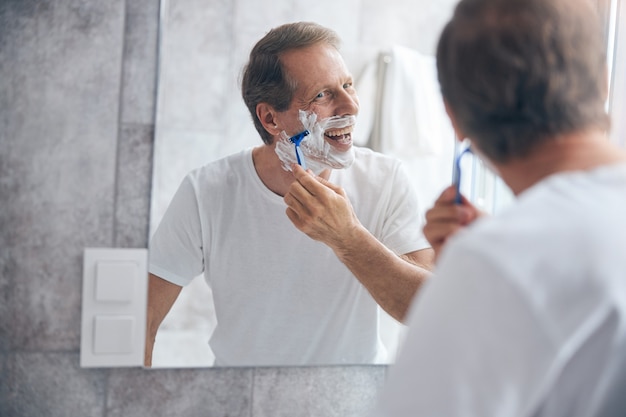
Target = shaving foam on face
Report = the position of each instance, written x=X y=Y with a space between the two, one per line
x=319 y=154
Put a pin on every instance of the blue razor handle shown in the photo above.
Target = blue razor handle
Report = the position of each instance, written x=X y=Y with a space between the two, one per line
x=296 y=140
x=456 y=174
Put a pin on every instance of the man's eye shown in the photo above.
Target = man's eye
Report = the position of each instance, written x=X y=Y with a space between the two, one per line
x=321 y=95
x=347 y=85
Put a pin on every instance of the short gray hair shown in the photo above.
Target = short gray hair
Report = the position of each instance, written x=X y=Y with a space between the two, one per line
x=264 y=79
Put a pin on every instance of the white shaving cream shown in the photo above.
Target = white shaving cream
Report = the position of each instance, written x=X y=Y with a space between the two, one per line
x=318 y=154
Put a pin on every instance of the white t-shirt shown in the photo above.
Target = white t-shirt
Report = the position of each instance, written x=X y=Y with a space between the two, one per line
x=280 y=297
x=526 y=314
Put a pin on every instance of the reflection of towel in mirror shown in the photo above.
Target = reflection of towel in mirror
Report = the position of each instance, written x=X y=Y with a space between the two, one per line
x=403 y=115
x=414 y=121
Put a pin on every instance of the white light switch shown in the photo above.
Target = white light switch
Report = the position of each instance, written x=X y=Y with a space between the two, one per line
x=115 y=281
x=115 y=287
x=113 y=334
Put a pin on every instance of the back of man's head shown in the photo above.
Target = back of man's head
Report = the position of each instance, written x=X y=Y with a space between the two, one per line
x=518 y=72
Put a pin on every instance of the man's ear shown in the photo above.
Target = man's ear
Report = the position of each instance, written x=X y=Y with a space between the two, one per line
x=267 y=116
x=460 y=135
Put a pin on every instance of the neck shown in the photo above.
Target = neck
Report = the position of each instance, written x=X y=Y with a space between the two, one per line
x=270 y=170
x=572 y=152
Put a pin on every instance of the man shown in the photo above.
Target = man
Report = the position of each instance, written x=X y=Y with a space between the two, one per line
x=525 y=313
x=281 y=298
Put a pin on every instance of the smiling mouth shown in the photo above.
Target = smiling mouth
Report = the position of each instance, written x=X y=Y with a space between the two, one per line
x=341 y=136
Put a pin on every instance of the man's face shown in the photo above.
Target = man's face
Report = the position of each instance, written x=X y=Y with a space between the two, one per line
x=324 y=87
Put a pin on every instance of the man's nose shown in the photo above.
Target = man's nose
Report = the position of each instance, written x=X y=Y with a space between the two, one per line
x=347 y=103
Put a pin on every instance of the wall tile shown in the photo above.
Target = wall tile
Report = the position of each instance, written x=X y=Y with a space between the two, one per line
x=316 y=391
x=139 y=73
x=134 y=178
x=194 y=63
x=415 y=24
x=181 y=392
x=51 y=385
x=6 y=291
x=4 y=385
x=58 y=157
x=252 y=19
x=333 y=14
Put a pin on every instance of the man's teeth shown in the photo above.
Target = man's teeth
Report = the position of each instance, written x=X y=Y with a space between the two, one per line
x=342 y=136
x=342 y=139
x=339 y=132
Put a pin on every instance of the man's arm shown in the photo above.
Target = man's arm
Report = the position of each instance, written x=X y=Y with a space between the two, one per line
x=161 y=297
x=392 y=280
x=323 y=211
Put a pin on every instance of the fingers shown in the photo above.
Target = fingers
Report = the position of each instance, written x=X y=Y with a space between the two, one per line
x=305 y=198
x=294 y=202
x=295 y=218
x=446 y=207
x=296 y=211
x=447 y=217
x=452 y=213
x=319 y=208
x=447 y=195
x=439 y=230
x=337 y=189
x=312 y=182
x=307 y=180
x=299 y=172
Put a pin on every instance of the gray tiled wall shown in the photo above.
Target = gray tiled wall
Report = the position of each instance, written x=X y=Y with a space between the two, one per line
x=77 y=96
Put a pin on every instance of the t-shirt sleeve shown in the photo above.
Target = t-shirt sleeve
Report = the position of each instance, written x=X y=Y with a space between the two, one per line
x=176 y=247
x=402 y=227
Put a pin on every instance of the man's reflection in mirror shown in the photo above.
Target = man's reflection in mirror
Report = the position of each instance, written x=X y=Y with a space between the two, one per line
x=282 y=298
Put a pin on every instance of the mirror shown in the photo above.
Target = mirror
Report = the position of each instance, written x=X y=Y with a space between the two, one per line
x=201 y=116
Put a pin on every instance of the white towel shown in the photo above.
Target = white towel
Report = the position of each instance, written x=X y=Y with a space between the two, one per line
x=402 y=114
x=413 y=120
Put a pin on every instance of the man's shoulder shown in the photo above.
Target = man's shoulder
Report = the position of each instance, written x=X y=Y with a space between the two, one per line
x=222 y=166
x=220 y=173
x=368 y=157
x=372 y=163
x=369 y=153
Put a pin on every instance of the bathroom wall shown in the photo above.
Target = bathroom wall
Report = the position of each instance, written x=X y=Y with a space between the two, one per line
x=77 y=96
